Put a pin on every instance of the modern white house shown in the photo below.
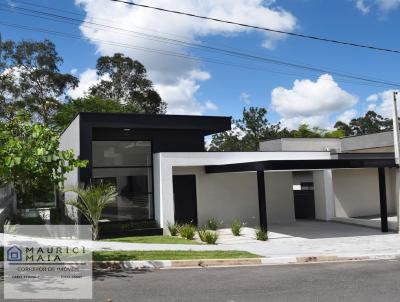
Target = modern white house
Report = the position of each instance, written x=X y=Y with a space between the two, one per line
x=164 y=175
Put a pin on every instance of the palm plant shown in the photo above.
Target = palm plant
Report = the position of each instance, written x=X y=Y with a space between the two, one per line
x=91 y=201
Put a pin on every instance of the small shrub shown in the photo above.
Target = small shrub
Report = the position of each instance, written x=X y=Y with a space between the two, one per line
x=187 y=231
x=207 y=236
x=173 y=228
x=212 y=224
x=261 y=234
x=236 y=227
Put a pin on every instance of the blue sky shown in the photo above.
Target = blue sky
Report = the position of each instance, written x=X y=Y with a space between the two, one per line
x=202 y=87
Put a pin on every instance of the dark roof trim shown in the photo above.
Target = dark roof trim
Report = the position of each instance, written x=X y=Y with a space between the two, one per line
x=364 y=155
x=204 y=124
x=309 y=164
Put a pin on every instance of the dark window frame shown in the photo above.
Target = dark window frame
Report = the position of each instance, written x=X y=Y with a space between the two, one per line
x=152 y=214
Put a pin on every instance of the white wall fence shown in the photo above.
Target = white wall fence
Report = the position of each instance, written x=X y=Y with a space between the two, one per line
x=7 y=202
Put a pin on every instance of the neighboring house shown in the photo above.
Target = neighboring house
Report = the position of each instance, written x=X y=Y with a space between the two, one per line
x=163 y=174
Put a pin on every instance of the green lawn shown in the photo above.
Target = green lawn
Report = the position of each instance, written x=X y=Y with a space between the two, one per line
x=154 y=239
x=168 y=255
x=163 y=255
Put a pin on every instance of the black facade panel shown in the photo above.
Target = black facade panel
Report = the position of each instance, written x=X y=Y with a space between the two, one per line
x=205 y=124
x=162 y=140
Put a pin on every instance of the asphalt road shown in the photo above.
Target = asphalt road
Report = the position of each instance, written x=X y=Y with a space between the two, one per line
x=351 y=281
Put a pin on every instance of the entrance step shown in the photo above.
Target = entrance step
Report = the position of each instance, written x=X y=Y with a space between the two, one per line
x=113 y=229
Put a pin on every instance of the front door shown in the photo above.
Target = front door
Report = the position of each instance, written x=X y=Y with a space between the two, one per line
x=185 y=199
x=304 y=204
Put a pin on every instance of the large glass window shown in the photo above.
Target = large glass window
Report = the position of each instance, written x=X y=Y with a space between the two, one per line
x=128 y=166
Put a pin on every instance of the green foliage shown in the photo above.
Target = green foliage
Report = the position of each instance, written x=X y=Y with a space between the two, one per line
x=248 y=132
x=187 y=231
x=207 y=236
x=212 y=224
x=67 y=111
x=91 y=201
x=30 y=159
x=261 y=234
x=236 y=227
x=30 y=79
x=166 y=255
x=335 y=134
x=304 y=131
x=370 y=123
x=173 y=228
x=125 y=80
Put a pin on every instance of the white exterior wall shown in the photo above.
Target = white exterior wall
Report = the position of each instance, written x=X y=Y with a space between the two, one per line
x=230 y=196
x=323 y=195
x=214 y=186
x=225 y=197
x=391 y=195
x=369 y=143
x=301 y=144
x=70 y=139
x=279 y=195
x=357 y=192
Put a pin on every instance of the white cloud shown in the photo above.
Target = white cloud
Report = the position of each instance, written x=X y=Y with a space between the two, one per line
x=384 y=103
x=208 y=105
x=311 y=102
x=362 y=6
x=245 y=98
x=373 y=98
x=383 y=6
x=181 y=96
x=312 y=121
x=168 y=72
x=74 y=71
x=387 y=5
x=347 y=116
x=371 y=107
x=87 y=79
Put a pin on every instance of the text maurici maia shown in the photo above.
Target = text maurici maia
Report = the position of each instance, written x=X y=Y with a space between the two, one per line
x=51 y=254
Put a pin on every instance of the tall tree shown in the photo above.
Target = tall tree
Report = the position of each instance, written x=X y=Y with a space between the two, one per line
x=370 y=123
x=30 y=79
x=125 y=80
x=69 y=109
x=248 y=132
x=304 y=131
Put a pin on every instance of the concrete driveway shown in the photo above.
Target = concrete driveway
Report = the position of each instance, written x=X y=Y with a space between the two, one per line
x=315 y=238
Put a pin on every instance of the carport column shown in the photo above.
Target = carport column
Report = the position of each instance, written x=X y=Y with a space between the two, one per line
x=262 y=201
x=397 y=197
x=323 y=195
x=382 y=199
x=396 y=145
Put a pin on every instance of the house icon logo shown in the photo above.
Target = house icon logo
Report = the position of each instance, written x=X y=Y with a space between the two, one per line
x=14 y=254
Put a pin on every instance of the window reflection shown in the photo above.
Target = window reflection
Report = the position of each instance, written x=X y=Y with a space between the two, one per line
x=134 y=184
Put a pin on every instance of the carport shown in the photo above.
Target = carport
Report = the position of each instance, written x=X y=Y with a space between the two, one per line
x=322 y=164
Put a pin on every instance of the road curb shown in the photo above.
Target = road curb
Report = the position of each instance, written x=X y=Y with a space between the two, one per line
x=170 y=264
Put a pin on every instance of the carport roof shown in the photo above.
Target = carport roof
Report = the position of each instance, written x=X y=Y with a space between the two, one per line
x=304 y=164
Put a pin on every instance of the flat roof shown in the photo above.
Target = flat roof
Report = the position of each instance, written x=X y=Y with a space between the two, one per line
x=307 y=164
x=206 y=124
